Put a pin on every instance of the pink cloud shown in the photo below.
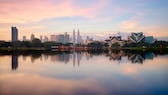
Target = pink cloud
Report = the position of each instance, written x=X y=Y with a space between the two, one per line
x=36 y=10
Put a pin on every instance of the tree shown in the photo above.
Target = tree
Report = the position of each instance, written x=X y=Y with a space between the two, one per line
x=36 y=42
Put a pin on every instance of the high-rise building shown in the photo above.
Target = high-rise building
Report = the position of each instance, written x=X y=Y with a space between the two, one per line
x=60 y=38
x=74 y=38
x=79 y=38
x=66 y=38
x=53 y=38
x=14 y=34
x=24 y=38
x=41 y=38
x=32 y=37
x=45 y=39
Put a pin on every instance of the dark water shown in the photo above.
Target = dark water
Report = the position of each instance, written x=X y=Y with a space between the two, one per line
x=84 y=73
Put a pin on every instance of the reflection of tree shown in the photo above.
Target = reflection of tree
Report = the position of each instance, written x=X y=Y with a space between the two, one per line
x=35 y=56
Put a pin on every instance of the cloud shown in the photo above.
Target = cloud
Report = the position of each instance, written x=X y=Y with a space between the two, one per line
x=35 y=84
x=19 y=11
x=129 y=24
x=127 y=70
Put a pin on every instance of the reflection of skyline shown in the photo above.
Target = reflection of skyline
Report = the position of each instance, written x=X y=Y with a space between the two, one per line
x=64 y=57
x=76 y=57
x=14 y=62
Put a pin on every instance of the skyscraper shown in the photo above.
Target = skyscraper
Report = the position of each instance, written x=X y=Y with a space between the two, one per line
x=53 y=38
x=66 y=38
x=74 y=39
x=41 y=38
x=14 y=34
x=78 y=37
x=24 y=38
x=32 y=37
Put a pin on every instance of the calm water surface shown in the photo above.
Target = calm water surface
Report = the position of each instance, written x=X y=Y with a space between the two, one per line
x=84 y=73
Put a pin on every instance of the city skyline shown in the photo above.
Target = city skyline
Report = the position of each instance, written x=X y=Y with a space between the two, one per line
x=97 y=18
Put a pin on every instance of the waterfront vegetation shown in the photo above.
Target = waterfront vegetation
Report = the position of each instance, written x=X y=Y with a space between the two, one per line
x=36 y=44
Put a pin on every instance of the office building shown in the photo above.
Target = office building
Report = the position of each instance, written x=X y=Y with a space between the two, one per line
x=45 y=39
x=53 y=38
x=24 y=38
x=41 y=38
x=79 y=38
x=74 y=38
x=32 y=37
x=61 y=38
x=66 y=38
x=14 y=34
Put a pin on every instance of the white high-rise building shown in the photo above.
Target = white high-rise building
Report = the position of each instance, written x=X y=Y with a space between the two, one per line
x=66 y=38
x=45 y=39
x=32 y=37
x=74 y=38
x=79 y=38
x=41 y=38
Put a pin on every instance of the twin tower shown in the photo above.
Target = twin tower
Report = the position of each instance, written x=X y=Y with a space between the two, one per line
x=77 y=39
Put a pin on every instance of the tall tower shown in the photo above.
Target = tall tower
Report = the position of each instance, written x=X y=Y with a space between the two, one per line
x=78 y=37
x=74 y=39
x=14 y=34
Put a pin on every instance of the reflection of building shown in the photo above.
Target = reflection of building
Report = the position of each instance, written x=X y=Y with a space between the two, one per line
x=116 y=55
x=77 y=55
x=14 y=62
x=64 y=57
x=14 y=34
x=136 y=58
x=136 y=37
x=149 y=55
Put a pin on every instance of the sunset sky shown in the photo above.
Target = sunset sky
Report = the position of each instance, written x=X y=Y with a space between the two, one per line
x=96 y=18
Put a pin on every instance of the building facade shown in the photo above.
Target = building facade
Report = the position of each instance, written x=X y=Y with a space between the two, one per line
x=32 y=37
x=136 y=37
x=14 y=31
x=149 y=40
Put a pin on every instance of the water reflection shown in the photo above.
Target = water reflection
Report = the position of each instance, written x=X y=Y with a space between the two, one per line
x=76 y=57
x=14 y=62
x=83 y=73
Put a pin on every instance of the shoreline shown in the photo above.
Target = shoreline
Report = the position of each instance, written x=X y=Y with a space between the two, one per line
x=80 y=49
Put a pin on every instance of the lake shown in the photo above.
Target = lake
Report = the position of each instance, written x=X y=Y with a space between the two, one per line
x=84 y=73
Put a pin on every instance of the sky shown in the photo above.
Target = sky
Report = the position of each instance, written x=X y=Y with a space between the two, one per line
x=98 y=19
